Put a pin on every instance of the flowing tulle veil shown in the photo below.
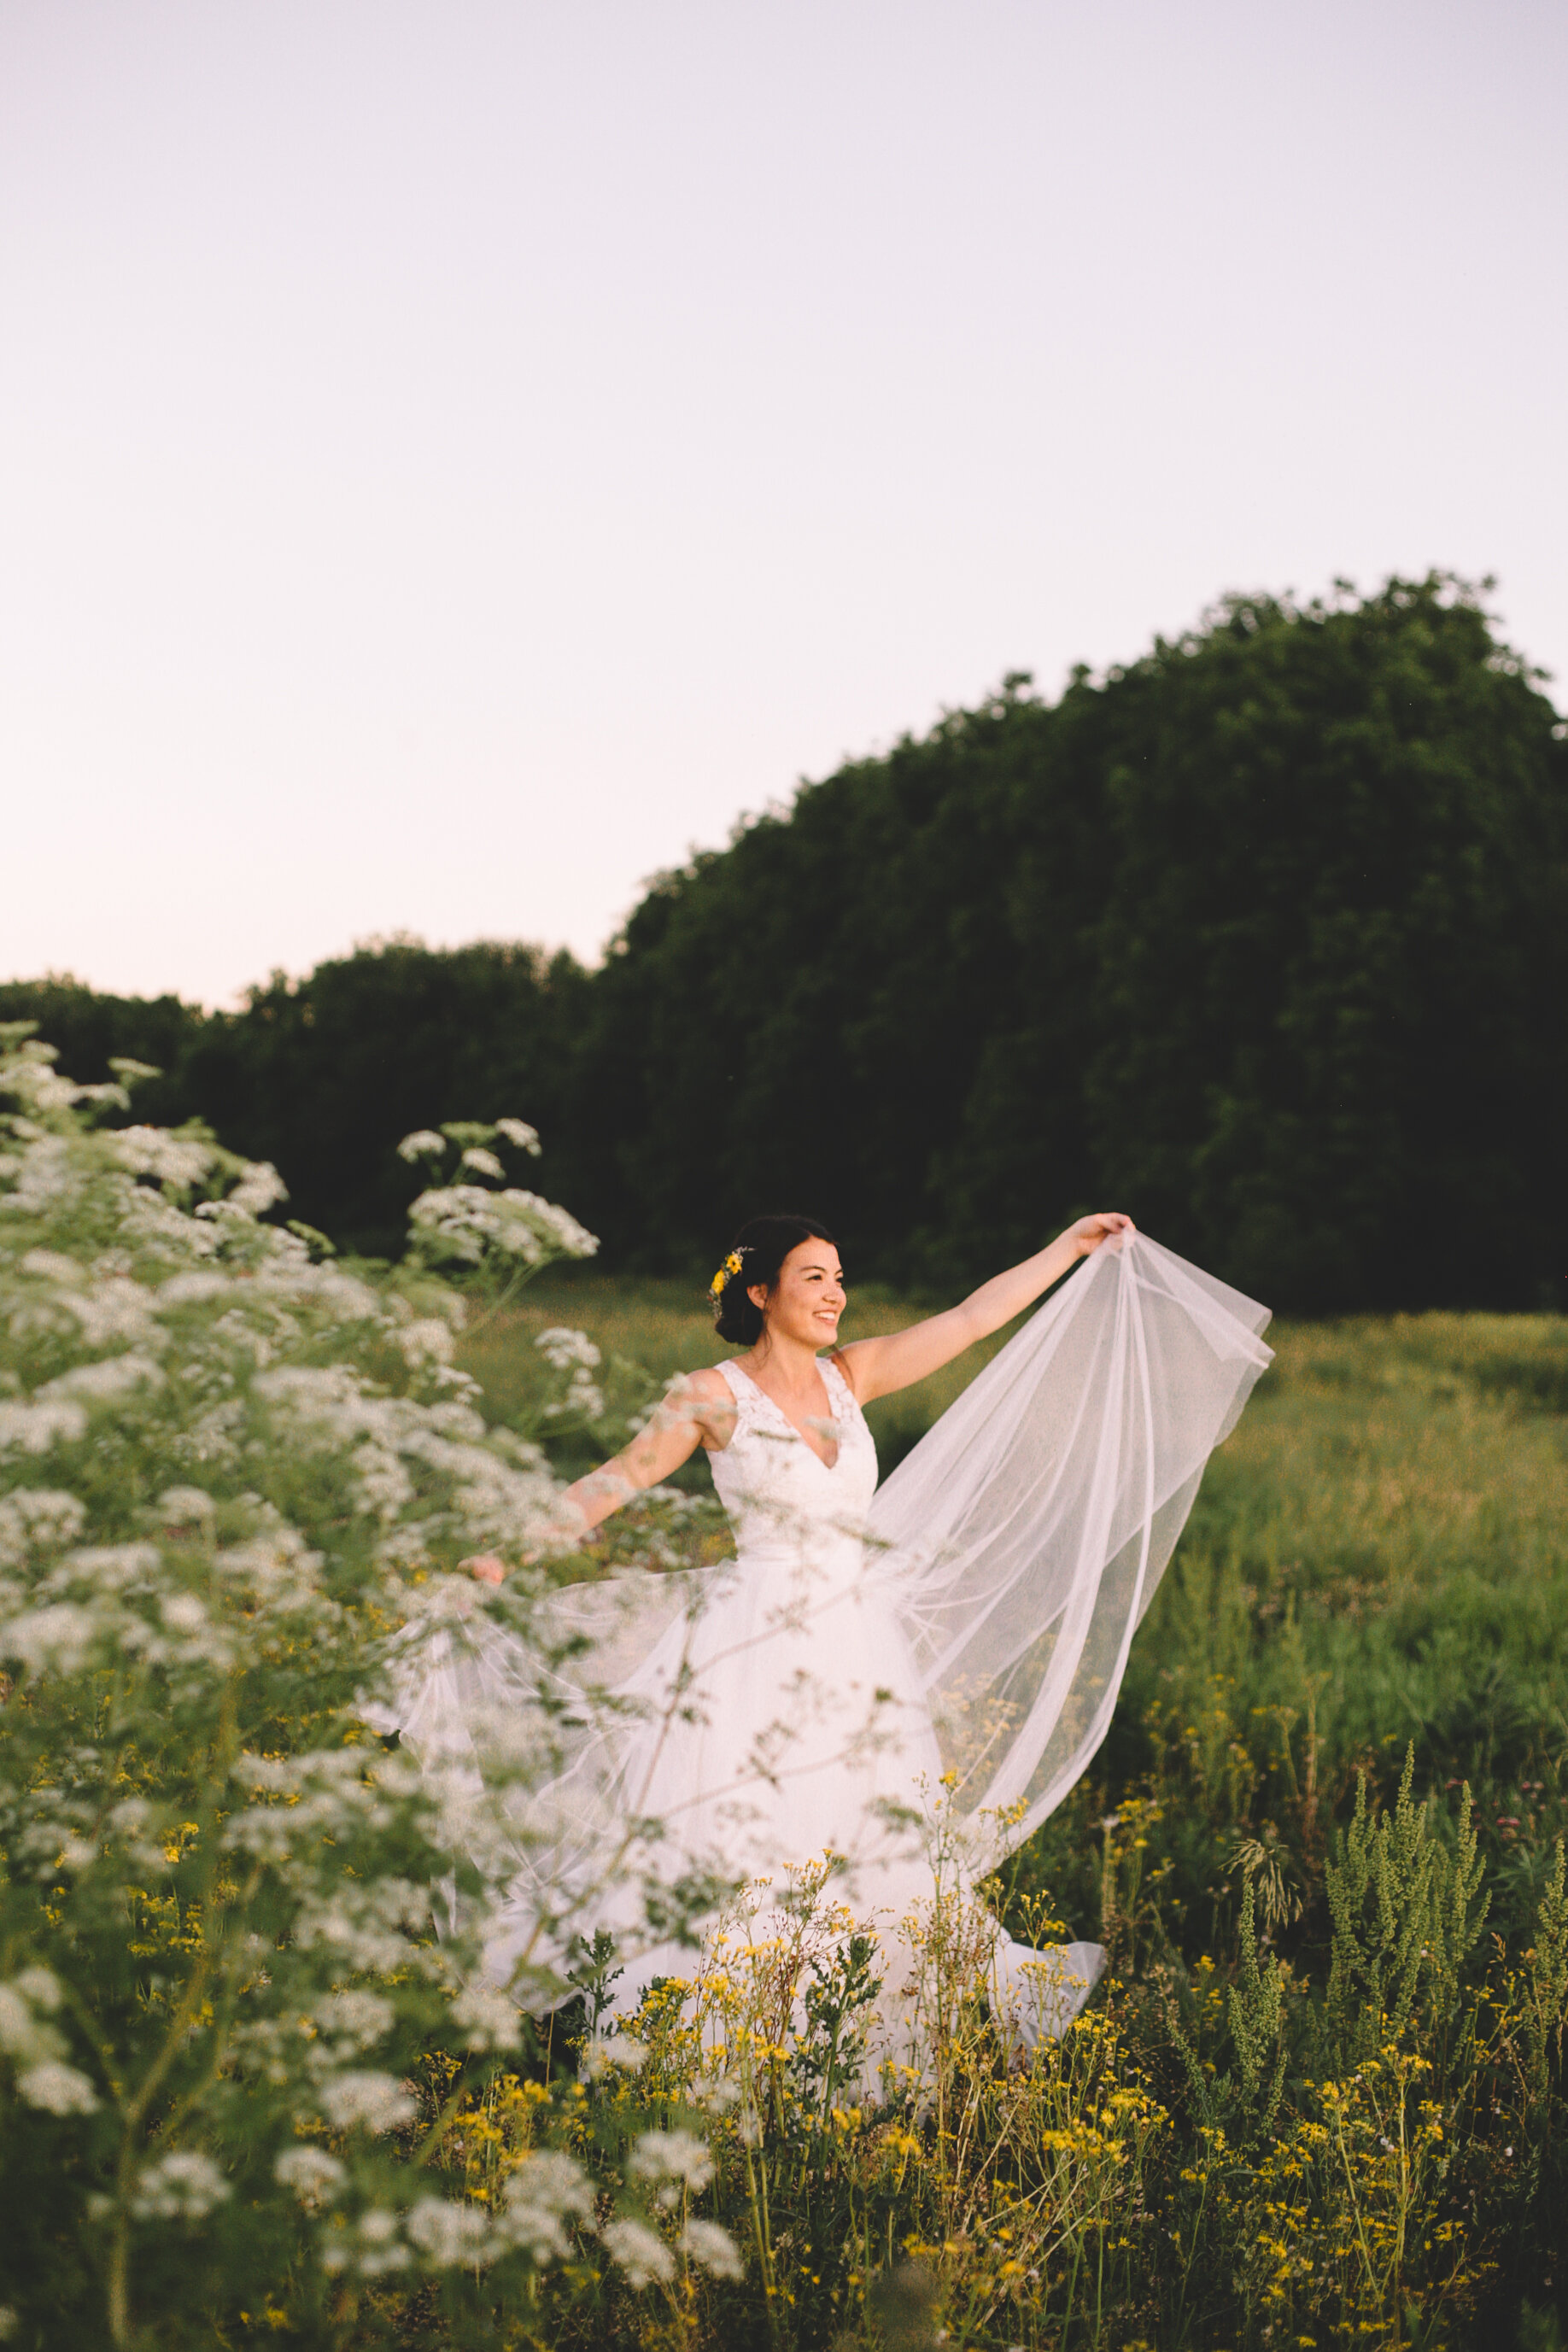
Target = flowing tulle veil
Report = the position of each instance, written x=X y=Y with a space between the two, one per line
x=1011 y=1556
x=1026 y=1535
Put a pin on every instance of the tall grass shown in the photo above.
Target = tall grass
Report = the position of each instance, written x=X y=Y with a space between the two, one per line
x=1321 y=2099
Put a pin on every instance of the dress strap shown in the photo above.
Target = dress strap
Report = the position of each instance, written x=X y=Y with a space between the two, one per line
x=840 y=1394
x=745 y=1393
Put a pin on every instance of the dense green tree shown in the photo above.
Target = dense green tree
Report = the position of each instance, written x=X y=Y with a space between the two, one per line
x=323 y=1074
x=1264 y=937
x=1332 y=955
x=90 y=1029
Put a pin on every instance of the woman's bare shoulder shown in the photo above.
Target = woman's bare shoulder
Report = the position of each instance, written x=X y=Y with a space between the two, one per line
x=709 y=1399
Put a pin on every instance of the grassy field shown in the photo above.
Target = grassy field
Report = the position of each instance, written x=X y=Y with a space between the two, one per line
x=1319 y=2097
x=1379 y=1555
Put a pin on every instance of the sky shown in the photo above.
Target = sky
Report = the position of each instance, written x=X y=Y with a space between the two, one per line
x=456 y=457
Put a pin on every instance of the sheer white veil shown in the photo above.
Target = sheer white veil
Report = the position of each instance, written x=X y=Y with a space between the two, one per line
x=1023 y=1537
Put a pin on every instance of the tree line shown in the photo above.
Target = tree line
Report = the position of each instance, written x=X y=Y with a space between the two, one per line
x=1263 y=936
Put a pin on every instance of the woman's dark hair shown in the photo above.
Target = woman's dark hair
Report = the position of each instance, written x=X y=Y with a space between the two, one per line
x=762 y=1246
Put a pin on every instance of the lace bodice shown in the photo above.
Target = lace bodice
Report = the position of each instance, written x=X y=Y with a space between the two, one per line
x=768 y=1476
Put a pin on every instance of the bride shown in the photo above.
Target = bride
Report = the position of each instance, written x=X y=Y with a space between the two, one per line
x=952 y=1640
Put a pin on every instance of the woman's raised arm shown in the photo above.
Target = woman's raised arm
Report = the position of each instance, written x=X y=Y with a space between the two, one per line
x=876 y=1367
x=697 y=1410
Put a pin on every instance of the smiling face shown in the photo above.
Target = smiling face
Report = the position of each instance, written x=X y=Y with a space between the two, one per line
x=807 y=1301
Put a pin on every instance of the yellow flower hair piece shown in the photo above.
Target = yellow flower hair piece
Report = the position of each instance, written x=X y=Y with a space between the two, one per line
x=731 y=1265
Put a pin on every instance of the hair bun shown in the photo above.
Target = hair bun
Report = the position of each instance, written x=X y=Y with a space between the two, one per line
x=756 y=1256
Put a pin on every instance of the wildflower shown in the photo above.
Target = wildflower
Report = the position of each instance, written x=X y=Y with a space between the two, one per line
x=731 y=1267
x=518 y=1131
x=185 y=1506
x=154 y=1151
x=260 y=1188
x=377 y=2101
x=371 y=2251
x=429 y=1341
x=59 y=2088
x=482 y=1161
x=36 y=1518
x=106 y=1381
x=712 y=2249
x=545 y=2193
x=641 y=2253
x=464 y=1221
x=315 y=2177
x=488 y=2020
x=21 y=2035
x=58 y=1639
x=661 y=2156
x=600 y=2054
x=33 y=1428
x=567 y=1349
x=180 y=2187
x=356 y=2019
x=423 y=1144
x=448 y=2233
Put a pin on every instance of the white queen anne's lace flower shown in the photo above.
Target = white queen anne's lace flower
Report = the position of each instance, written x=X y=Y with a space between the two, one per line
x=519 y=1132
x=22 y=2034
x=423 y=1144
x=673 y=2157
x=33 y=1428
x=36 y=1518
x=542 y=2198
x=154 y=1151
x=260 y=1188
x=488 y=2020
x=373 y=2250
x=482 y=1161
x=181 y=2187
x=373 y=2101
x=108 y=1381
x=712 y=2249
x=462 y=1221
x=356 y=2019
x=185 y=1506
x=58 y=1638
x=314 y=2177
x=429 y=1340
x=62 y=2090
x=567 y=1351
x=640 y=2251
x=449 y=2234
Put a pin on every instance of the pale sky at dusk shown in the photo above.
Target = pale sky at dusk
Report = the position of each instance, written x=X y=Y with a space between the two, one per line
x=455 y=457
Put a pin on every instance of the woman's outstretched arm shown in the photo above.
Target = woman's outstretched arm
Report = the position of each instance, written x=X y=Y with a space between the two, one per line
x=696 y=1410
x=876 y=1367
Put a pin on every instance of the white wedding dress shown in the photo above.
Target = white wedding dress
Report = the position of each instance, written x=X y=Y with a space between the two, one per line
x=875 y=1669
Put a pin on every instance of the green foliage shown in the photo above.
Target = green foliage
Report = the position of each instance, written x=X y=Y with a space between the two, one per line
x=1257 y=2003
x=1383 y=1891
x=1264 y=936
x=232 y=1481
x=1226 y=935
x=246 y=2090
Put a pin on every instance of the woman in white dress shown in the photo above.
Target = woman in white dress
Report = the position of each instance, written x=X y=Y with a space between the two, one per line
x=955 y=1638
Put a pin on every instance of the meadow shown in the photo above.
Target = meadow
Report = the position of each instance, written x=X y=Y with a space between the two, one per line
x=1378 y=1555
x=251 y=2083
x=1292 y=2118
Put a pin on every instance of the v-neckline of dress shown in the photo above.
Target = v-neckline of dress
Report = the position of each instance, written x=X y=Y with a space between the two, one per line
x=796 y=1432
